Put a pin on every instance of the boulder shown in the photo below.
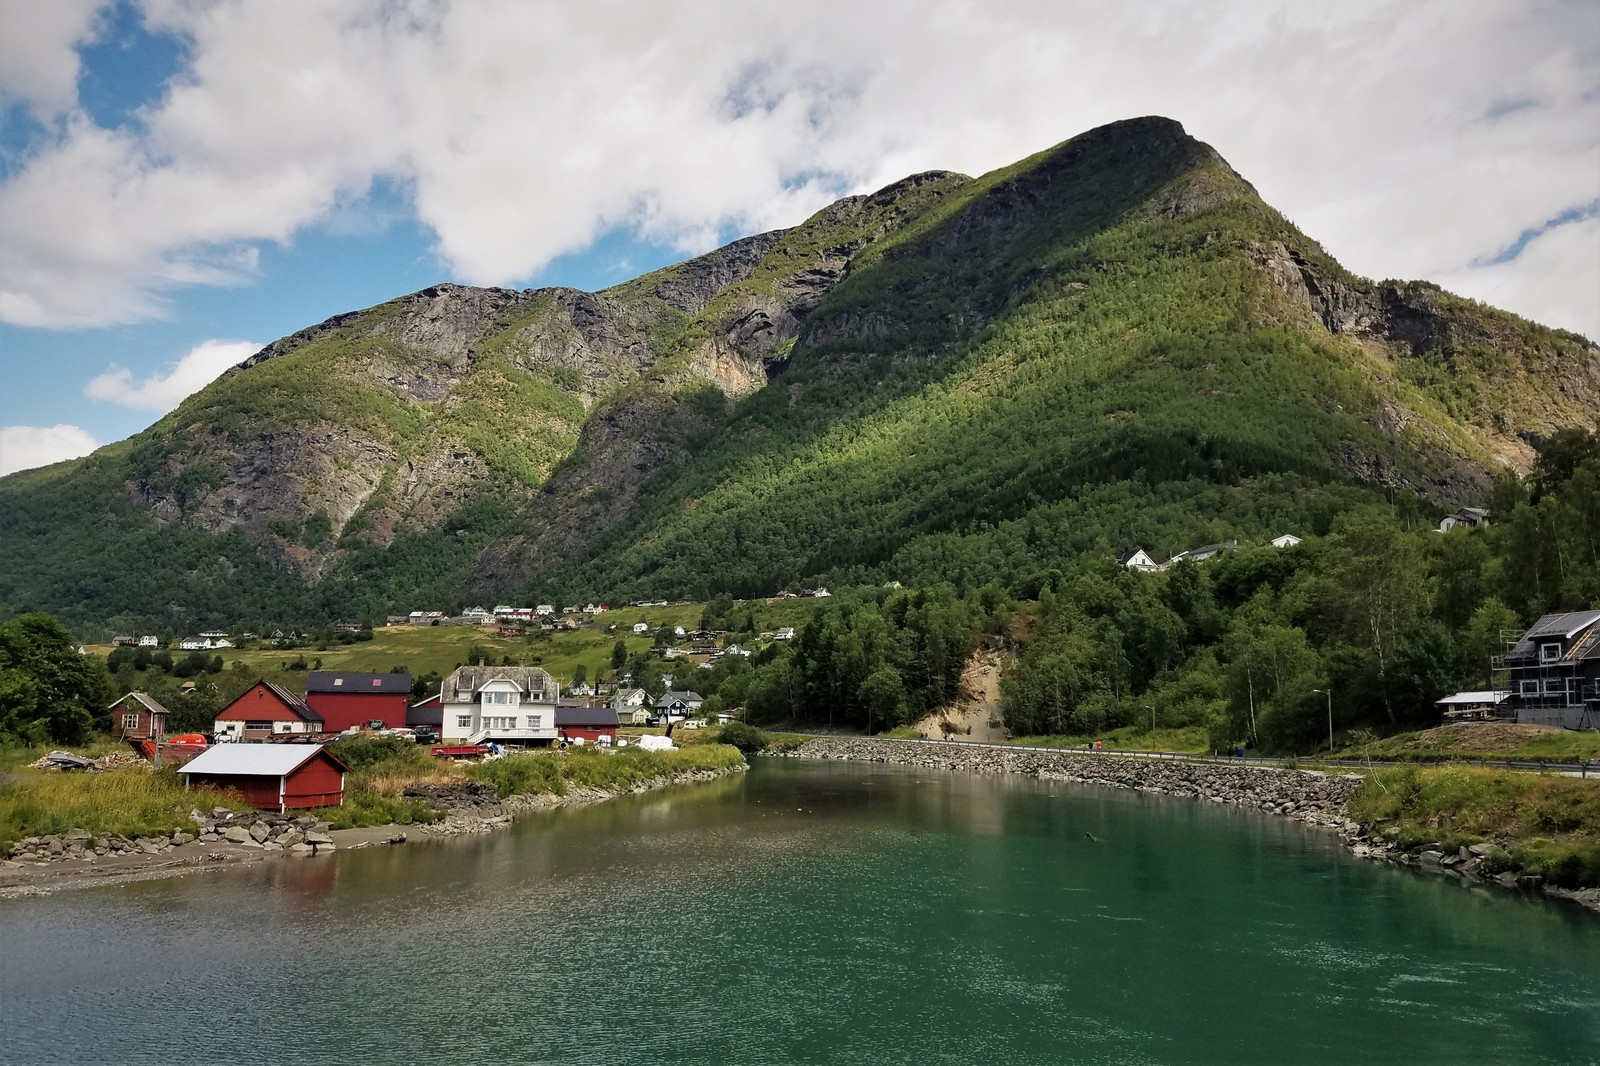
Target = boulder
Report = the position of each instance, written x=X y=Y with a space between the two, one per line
x=238 y=834
x=291 y=837
x=180 y=837
x=315 y=837
x=259 y=832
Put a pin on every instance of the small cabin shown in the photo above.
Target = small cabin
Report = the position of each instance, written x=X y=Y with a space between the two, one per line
x=272 y=777
x=137 y=716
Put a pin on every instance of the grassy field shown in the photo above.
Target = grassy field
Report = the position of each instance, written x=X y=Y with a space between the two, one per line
x=1483 y=740
x=1543 y=824
x=135 y=802
x=1190 y=740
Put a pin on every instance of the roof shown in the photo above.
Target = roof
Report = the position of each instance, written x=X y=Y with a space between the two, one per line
x=680 y=694
x=331 y=681
x=469 y=679
x=1553 y=626
x=255 y=760
x=1126 y=557
x=144 y=698
x=1490 y=696
x=290 y=700
x=575 y=715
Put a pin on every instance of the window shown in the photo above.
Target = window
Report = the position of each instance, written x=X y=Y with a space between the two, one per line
x=1549 y=653
x=463 y=721
x=533 y=721
x=130 y=721
x=258 y=725
x=1530 y=688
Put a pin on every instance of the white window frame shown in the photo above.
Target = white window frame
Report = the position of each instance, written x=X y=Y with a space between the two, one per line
x=130 y=721
x=1529 y=688
x=463 y=721
x=533 y=721
x=1549 y=653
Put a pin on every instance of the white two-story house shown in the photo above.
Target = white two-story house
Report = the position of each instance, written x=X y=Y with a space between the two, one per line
x=504 y=704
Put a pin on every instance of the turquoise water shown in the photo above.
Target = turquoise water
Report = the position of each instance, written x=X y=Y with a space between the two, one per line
x=812 y=912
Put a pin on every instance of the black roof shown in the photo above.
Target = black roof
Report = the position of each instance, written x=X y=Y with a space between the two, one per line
x=334 y=681
x=571 y=715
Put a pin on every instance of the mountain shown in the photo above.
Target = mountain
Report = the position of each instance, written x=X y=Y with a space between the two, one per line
x=1112 y=343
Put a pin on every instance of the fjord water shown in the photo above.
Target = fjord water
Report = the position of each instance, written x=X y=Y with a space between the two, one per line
x=812 y=912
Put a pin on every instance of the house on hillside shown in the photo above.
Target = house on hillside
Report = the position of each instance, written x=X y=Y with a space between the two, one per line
x=272 y=777
x=1288 y=540
x=1555 y=671
x=505 y=704
x=784 y=633
x=1200 y=555
x=264 y=710
x=122 y=642
x=347 y=701
x=137 y=715
x=1138 y=560
x=641 y=628
x=1466 y=517
x=149 y=641
x=679 y=704
x=627 y=700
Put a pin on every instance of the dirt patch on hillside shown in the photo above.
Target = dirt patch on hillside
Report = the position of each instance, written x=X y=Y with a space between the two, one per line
x=976 y=715
x=1482 y=736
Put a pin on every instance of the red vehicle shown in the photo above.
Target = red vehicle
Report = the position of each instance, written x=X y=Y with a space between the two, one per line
x=174 y=750
x=459 y=751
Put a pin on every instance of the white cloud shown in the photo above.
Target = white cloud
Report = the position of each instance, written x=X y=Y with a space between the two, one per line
x=163 y=392
x=25 y=447
x=38 y=51
x=1412 y=137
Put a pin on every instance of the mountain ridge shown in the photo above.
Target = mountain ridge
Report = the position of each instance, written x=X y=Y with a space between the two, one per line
x=570 y=426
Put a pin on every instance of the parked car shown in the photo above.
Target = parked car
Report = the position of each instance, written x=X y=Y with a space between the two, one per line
x=426 y=735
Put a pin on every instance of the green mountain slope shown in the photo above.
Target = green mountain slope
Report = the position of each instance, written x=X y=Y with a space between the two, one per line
x=1111 y=343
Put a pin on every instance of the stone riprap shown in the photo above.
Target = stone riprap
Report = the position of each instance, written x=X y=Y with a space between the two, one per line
x=475 y=807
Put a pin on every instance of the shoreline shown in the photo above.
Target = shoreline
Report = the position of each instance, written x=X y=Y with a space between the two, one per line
x=151 y=859
x=1313 y=797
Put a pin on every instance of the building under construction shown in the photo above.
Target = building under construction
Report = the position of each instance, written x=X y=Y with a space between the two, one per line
x=1554 y=671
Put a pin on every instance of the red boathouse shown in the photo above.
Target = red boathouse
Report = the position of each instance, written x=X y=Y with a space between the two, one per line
x=272 y=777
x=356 y=700
x=586 y=723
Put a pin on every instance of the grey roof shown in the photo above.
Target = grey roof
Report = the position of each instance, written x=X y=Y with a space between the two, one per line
x=680 y=694
x=253 y=760
x=145 y=698
x=1560 y=626
x=334 y=681
x=575 y=715
x=1489 y=696
x=530 y=679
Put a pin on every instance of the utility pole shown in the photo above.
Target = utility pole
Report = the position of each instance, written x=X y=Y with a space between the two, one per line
x=1328 y=692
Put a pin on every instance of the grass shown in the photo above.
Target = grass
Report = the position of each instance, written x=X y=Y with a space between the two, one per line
x=18 y=758
x=557 y=772
x=130 y=802
x=1486 y=740
x=1544 y=825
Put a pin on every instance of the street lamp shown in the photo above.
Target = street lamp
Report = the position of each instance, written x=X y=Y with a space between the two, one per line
x=1328 y=692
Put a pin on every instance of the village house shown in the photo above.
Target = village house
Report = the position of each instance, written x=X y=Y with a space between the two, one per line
x=1466 y=517
x=1138 y=560
x=137 y=716
x=1555 y=671
x=265 y=709
x=589 y=724
x=203 y=643
x=1478 y=706
x=149 y=642
x=545 y=609
x=631 y=704
x=784 y=633
x=122 y=642
x=1200 y=555
x=353 y=701
x=737 y=649
x=272 y=777
x=505 y=704
x=679 y=704
x=1288 y=540
x=641 y=627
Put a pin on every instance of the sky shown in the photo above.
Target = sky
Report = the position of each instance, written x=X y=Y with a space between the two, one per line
x=184 y=181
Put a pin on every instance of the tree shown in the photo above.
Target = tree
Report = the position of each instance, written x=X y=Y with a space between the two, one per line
x=580 y=674
x=48 y=690
x=619 y=654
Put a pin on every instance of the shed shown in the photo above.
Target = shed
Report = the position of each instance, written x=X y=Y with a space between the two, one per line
x=137 y=715
x=272 y=777
x=575 y=722
x=1473 y=706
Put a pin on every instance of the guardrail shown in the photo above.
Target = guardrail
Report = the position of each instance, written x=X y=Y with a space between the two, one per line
x=1582 y=769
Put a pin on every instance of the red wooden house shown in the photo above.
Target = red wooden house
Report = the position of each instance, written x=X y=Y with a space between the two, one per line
x=264 y=710
x=345 y=700
x=272 y=777
x=575 y=722
x=137 y=715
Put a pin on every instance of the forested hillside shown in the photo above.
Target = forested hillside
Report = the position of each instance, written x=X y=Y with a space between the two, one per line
x=989 y=381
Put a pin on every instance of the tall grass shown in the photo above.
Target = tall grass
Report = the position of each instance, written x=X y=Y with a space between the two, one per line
x=1546 y=825
x=129 y=802
x=557 y=772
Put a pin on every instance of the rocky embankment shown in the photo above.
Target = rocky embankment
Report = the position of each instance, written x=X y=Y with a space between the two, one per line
x=475 y=807
x=1310 y=796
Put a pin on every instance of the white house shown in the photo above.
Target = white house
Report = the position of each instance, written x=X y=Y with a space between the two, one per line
x=641 y=627
x=545 y=609
x=1288 y=540
x=678 y=631
x=1467 y=517
x=508 y=704
x=784 y=633
x=149 y=642
x=215 y=634
x=631 y=705
x=736 y=649
x=1139 y=560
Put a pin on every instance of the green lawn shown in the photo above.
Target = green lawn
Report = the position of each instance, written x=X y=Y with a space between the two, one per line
x=1482 y=741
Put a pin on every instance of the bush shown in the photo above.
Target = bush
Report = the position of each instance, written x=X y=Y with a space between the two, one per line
x=747 y=738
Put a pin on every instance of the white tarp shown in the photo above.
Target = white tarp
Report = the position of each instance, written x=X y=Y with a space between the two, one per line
x=651 y=742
